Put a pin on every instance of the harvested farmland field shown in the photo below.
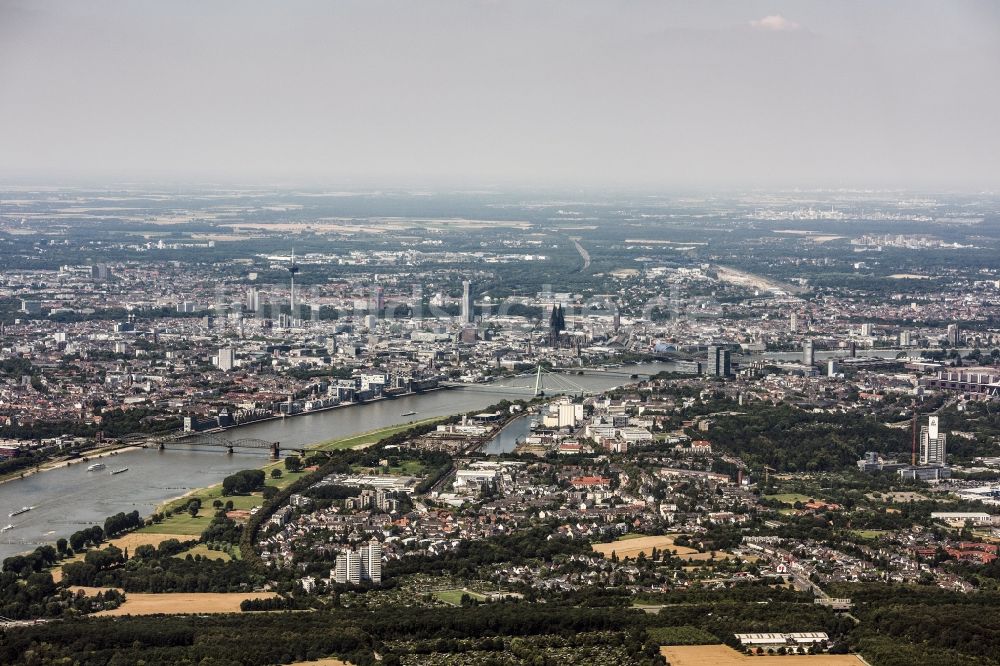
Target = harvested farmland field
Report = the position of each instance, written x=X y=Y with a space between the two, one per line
x=632 y=547
x=135 y=539
x=722 y=655
x=184 y=603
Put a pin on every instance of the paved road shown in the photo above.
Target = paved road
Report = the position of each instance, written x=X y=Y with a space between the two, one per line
x=583 y=253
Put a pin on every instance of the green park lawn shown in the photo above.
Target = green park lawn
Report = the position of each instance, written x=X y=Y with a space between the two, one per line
x=183 y=523
x=454 y=597
x=869 y=534
x=202 y=549
x=367 y=438
x=408 y=468
x=789 y=498
x=405 y=468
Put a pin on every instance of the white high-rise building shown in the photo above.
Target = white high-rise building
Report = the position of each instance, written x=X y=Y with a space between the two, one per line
x=466 y=302
x=374 y=568
x=793 y=323
x=339 y=573
x=226 y=359
x=353 y=567
x=933 y=444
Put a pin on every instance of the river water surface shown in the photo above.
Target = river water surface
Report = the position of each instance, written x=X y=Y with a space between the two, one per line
x=67 y=499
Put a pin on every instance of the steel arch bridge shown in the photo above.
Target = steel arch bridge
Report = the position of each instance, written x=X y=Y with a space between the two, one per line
x=218 y=441
x=210 y=439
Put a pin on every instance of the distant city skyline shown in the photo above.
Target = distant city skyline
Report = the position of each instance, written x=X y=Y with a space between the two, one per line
x=481 y=93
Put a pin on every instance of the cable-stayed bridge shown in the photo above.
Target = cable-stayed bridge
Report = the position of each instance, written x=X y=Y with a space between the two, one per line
x=543 y=382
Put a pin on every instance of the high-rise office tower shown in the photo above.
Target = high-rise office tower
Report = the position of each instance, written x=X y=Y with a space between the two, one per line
x=292 y=270
x=253 y=299
x=954 y=335
x=466 y=302
x=100 y=272
x=808 y=355
x=725 y=363
x=719 y=362
x=712 y=361
x=417 y=303
x=793 y=323
x=933 y=444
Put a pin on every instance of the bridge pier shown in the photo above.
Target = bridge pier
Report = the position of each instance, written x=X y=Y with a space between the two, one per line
x=275 y=450
x=161 y=446
x=229 y=450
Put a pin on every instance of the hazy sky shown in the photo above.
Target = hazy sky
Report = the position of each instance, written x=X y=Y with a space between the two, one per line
x=642 y=93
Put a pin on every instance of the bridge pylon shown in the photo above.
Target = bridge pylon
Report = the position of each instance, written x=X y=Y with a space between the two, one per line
x=275 y=450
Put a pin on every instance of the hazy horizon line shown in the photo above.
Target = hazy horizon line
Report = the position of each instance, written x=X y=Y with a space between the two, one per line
x=374 y=184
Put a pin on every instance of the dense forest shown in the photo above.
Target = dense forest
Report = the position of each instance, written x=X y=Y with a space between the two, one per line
x=536 y=543
x=158 y=570
x=29 y=592
x=790 y=439
x=905 y=625
x=279 y=638
x=897 y=625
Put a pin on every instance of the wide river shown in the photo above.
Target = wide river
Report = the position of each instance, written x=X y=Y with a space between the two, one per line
x=67 y=499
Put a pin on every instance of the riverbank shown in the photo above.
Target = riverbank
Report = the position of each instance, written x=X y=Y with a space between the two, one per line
x=328 y=408
x=498 y=435
x=97 y=454
x=67 y=498
x=184 y=523
x=366 y=439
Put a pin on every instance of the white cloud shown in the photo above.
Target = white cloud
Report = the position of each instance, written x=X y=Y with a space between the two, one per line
x=775 y=23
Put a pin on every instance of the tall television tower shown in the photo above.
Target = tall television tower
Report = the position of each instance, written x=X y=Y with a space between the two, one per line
x=292 y=270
